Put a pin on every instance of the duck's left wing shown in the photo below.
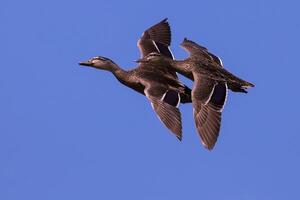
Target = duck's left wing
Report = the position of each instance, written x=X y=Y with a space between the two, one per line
x=156 y=39
x=165 y=104
x=199 y=52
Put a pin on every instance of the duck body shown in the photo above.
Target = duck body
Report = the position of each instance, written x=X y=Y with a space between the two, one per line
x=145 y=74
x=193 y=67
x=203 y=63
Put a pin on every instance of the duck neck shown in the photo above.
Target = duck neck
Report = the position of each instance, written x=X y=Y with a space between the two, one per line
x=119 y=73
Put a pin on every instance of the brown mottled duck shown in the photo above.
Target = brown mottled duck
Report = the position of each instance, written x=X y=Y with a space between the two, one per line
x=159 y=83
x=211 y=82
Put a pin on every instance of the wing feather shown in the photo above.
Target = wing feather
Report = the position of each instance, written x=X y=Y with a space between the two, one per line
x=165 y=108
x=156 y=39
x=199 y=52
x=208 y=100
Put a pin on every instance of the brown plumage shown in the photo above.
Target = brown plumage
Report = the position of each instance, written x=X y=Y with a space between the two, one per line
x=211 y=83
x=160 y=84
x=156 y=39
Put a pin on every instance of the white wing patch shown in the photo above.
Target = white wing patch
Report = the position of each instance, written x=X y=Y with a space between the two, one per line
x=211 y=93
x=179 y=100
x=173 y=57
x=225 y=97
x=162 y=98
x=220 y=62
x=156 y=46
x=152 y=106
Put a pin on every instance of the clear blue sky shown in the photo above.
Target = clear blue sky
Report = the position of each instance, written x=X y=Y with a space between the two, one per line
x=68 y=132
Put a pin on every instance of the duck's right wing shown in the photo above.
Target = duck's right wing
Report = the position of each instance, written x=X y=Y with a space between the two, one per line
x=208 y=99
x=156 y=39
x=165 y=103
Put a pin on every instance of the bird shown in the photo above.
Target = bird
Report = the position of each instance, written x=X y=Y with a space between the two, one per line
x=159 y=84
x=210 y=88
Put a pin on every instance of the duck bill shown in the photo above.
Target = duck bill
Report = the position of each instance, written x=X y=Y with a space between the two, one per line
x=85 y=63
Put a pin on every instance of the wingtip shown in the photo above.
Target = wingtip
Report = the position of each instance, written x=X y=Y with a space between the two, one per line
x=165 y=21
x=248 y=85
x=179 y=138
x=185 y=40
x=208 y=147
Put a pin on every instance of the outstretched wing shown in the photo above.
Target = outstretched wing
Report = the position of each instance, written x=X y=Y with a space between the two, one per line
x=208 y=96
x=208 y=101
x=165 y=103
x=156 y=39
x=199 y=52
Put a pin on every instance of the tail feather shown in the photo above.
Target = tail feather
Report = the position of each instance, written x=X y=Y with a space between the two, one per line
x=235 y=83
x=236 y=88
x=239 y=86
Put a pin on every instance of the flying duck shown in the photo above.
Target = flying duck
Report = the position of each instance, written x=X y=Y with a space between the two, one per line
x=211 y=83
x=158 y=83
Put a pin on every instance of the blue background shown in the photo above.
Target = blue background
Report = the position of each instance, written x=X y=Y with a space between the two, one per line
x=68 y=132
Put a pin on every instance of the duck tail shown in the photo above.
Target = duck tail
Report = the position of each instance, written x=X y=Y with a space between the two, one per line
x=239 y=85
x=245 y=84
x=236 y=88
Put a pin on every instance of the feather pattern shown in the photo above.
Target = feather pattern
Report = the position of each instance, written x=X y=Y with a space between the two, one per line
x=156 y=39
x=208 y=102
x=168 y=114
x=158 y=82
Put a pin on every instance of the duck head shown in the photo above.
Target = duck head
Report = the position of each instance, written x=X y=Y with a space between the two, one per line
x=100 y=62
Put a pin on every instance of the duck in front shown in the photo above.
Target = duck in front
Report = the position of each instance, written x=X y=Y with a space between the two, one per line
x=158 y=83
